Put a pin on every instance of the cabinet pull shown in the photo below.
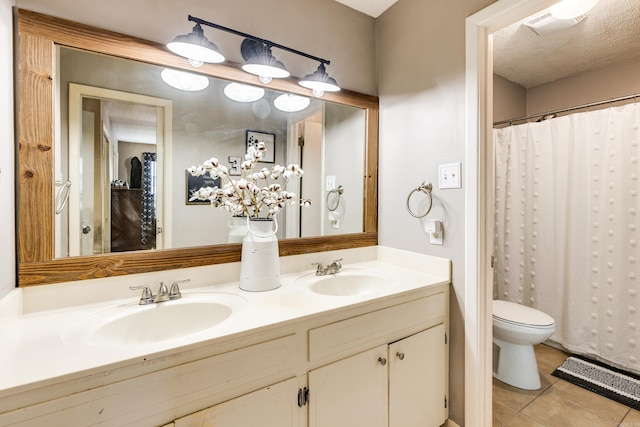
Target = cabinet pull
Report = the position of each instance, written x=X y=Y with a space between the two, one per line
x=400 y=355
x=382 y=360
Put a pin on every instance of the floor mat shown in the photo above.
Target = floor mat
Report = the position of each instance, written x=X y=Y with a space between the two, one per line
x=612 y=383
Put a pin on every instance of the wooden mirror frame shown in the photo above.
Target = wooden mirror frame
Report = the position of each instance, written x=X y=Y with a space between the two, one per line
x=38 y=36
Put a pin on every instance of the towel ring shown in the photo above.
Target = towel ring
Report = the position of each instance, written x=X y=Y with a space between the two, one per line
x=425 y=188
x=334 y=202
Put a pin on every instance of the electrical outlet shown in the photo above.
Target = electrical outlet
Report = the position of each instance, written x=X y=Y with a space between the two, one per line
x=450 y=176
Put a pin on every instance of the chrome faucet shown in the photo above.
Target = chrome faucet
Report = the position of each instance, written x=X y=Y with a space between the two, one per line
x=163 y=294
x=332 y=268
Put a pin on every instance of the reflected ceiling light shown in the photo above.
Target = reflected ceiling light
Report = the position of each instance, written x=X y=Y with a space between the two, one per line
x=183 y=80
x=569 y=9
x=290 y=103
x=243 y=93
x=196 y=47
x=319 y=82
x=261 y=62
x=255 y=51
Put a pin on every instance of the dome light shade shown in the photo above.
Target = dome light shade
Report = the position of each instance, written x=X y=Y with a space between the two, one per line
x=320 y=82
x=569 y=9
x=243 y=93
x=290 y=103
x=261 y=62
x=196 y=47
x=183 y=80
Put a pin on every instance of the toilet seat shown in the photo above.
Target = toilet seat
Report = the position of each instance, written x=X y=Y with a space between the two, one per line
x=520 y=315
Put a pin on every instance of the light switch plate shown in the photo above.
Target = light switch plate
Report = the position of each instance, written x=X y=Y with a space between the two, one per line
x=331 y=183
x=450 y=176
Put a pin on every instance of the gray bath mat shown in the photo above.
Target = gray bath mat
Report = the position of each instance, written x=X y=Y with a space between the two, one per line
x=607 y=381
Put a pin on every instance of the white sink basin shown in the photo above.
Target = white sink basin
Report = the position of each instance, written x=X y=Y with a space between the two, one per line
x=347 y=283
x=134 y=324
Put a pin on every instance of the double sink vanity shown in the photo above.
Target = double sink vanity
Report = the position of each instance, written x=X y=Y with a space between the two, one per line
x=321 y=350
x=365 y=343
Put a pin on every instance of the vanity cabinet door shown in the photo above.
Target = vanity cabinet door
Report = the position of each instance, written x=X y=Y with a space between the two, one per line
x=418 y=380
x=351 y=392
x=273 y=406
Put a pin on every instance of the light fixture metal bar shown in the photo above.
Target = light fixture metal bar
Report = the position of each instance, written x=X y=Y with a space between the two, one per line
x=249 y=36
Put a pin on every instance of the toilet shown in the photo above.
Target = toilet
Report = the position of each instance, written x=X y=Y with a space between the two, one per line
x=516 y=328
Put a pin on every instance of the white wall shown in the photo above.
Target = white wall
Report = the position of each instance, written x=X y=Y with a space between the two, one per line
x=421 y=85
x=7 y=220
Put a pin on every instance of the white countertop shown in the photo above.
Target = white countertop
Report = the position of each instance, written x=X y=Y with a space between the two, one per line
x=33 y=321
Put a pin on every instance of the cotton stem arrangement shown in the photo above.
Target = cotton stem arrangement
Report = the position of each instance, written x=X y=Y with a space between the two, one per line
x=260 y=194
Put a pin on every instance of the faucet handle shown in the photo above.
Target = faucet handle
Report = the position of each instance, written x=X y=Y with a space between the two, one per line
x=336 y=265
x=319 y=269
x=147 y=295
x=175 y=293
x=163 y=293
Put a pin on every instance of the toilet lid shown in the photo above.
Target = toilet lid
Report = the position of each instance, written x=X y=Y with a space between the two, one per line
x=520 y=314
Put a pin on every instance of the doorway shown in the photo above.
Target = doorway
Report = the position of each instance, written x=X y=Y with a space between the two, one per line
x=101 y=181
x=479 y=200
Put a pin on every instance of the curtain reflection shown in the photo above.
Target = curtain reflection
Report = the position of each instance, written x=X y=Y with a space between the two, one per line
x=148 y=236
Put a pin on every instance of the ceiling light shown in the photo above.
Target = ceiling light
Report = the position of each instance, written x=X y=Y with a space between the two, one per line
x=196 y=47
x=290 y=103
x=261 y=62
x=569 y=9
x=243 y=93
x=183 y=80
x=320 y=82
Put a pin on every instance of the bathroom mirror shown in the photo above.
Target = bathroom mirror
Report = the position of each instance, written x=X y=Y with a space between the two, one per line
x=51 y=232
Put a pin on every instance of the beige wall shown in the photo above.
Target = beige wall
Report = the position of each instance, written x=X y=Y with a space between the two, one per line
x=509 y=99
x=322 y=28
x=616 y=80
x=421 y=84
x=7 y=224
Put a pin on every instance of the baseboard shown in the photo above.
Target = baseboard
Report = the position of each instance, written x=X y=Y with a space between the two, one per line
x=450 y=423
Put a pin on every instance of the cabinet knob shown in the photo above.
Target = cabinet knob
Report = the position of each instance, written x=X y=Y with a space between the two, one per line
x=382 y=360
x=400 y=355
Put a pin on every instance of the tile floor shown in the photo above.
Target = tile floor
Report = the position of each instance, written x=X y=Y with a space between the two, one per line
x=558 y=403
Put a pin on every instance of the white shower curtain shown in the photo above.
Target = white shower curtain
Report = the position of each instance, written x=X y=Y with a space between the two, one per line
x=567 y=239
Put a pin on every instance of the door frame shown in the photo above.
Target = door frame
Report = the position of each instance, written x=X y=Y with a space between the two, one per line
x=163 y=149
x=479 y=209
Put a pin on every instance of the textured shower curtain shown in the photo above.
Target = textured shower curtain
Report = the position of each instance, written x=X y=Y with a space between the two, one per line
x=567 y=238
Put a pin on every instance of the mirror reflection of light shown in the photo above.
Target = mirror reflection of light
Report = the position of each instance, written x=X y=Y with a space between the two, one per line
x=290 y=103
x=183 y=80
x=243 y=93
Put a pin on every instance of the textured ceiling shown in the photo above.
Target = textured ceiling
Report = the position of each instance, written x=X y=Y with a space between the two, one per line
x=610 y=33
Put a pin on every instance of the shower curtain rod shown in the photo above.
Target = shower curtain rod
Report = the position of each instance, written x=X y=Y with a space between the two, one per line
x=565 y=110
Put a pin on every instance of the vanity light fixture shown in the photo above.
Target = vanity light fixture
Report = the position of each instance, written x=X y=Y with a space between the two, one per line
x=261 y=62
x=319 y=82
x=290 y=103
x=183 y=80
x=570 y=9
x=243 y=93
x=196 y=48
x=256 y=52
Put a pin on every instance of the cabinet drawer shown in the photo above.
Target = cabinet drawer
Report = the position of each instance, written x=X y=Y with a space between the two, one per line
x=150 y=399
x=378 y=327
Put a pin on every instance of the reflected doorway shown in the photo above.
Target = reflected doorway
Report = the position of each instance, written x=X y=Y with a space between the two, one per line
x=117 y=141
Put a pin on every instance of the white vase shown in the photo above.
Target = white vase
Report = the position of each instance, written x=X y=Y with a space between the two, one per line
x=260 y=262
x=238 y=229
